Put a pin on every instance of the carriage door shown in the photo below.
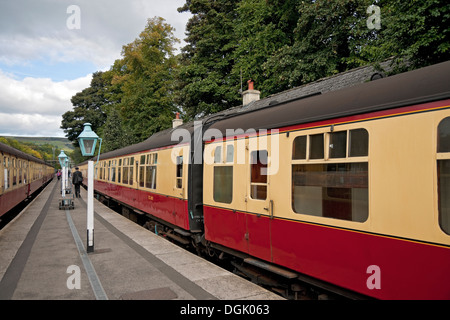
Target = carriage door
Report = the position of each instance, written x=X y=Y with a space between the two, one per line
x=259 y=206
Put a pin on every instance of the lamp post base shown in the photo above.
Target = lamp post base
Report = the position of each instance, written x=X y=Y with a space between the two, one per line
x=90 y=241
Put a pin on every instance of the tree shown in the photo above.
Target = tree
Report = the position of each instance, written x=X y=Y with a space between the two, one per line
x=114 y=135
x=262 y=27
x=416 y=33
x=144 y=78
x=333 y=36
x=87 y=108
x=205 y=82
x=327 y=37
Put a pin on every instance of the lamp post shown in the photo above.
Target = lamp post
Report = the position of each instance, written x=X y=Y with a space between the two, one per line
x=63 y=161
x=88 y=141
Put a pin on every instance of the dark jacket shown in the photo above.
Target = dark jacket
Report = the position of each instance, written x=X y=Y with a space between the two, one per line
x=77 y=177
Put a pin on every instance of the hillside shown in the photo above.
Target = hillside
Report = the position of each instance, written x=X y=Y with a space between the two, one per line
x=59 y=143
x=45 y=148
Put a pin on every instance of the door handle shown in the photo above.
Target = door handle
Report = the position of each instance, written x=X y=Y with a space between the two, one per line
x=270 y=209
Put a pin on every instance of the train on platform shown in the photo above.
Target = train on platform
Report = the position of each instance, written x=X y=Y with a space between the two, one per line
x=20 y=176
x=348 y=191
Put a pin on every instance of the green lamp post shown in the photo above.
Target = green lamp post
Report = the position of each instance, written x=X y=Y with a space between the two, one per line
x=88 y=141
x=63 y=161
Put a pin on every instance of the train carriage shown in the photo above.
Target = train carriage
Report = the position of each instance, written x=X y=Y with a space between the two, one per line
x=151 y=178
x=348 y=189
x=355 y=183
x=20 y=176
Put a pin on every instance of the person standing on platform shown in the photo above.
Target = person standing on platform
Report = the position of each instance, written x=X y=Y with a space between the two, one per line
x=77 y=179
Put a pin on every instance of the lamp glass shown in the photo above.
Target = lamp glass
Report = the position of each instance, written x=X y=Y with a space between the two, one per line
x=88 y=146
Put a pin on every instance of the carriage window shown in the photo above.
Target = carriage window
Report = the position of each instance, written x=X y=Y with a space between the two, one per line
x=150 y=174
x=299 y=148
x=147 y=174
x=230 y=153
x=125 y=175
x=218 y=155
x=338 y=190
x=128 y=172
x=131 y=170
x=14 y=172
x=359 y=143
x=338 y=144
x=223 y=184
x=443 y=143
x=142 y=171
x=113 y=173
x=316 y=146
x=327 y=189
x=258 y=182
x=443 y=174
x=223 y=175
x=146 y=171
x=119 y=171
x=180 y=172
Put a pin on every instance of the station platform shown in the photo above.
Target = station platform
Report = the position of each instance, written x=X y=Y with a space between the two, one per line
x=43 y=257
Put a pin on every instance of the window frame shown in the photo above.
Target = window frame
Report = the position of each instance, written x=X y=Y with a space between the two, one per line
x=328 y=160
x=147 y=161
x=223 y=162
x=441 y=156
x=179 y=165
x=255 y=185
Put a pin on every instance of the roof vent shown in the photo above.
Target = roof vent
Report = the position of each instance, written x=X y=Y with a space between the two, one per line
x=250 y=95
x=177 y=121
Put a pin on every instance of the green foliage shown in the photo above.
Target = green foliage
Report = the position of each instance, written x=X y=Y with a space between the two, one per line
x=416 y=33
x=114 y=134
x=205 y=81
x=144 y=80
x=262 y=27
x=87 y=108
x=327 y=38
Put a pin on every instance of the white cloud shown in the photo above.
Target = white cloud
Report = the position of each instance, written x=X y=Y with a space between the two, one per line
x=17 y=124
x=36 y=104
x=32 y=29
x=37 y=47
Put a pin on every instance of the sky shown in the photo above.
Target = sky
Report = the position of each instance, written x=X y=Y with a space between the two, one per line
x=50 y=48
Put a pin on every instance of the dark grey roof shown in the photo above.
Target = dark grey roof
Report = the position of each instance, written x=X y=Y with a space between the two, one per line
x=157 y=140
